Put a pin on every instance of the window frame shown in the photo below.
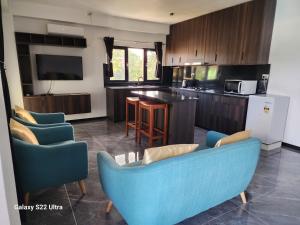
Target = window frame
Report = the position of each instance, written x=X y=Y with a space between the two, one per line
x=108 y=81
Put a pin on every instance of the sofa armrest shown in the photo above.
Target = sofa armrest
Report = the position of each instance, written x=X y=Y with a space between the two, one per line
x=45 y=166
x=213 y=137
x=48 y=118
x=52 y=135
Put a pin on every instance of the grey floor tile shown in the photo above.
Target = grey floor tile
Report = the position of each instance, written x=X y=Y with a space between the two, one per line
x=273 y=195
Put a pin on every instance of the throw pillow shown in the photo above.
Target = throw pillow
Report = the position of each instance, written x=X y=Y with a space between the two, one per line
x=24 y=114
x=22 y=132
x=159 y=153
x=239 y=136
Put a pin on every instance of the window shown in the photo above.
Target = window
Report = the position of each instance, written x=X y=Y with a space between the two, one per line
x=133 y=64
x=212 y=72
x=118 y=61
x=151 y=65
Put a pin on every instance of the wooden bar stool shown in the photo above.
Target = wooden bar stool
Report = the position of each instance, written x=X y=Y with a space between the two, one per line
x=134 y=101
x=148 y=129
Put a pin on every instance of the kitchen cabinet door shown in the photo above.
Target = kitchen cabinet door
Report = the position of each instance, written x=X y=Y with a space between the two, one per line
x=257 y=38
x=213 y=22
x=236 y=28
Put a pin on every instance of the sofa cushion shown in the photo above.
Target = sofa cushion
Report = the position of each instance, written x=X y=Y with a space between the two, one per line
x=239 y=136
x=22 y=132
x=159 y=153
x=24 y=114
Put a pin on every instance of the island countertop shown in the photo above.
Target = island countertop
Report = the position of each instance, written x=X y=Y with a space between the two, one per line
x=164 y=97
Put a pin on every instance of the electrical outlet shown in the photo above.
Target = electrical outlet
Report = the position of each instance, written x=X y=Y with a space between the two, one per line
x=265 y=76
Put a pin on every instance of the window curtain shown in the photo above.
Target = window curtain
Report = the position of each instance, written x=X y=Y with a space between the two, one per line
x=158 y=50
x=109 y=44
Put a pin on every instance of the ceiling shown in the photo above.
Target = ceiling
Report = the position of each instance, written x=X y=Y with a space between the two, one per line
x=148 y=10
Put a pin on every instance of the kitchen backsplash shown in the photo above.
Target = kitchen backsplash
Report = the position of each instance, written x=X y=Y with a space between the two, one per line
x=213 y=76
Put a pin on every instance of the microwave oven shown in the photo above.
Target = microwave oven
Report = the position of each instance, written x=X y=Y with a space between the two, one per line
x=241 y=87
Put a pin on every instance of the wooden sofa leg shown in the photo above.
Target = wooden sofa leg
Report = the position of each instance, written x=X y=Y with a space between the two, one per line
x=108 y=207
x=82 y=187
x=243 y=197
x=26 y=198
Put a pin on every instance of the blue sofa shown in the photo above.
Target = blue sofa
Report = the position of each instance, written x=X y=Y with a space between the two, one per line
x=44 y=119
x=56 y=161
x=172 y=190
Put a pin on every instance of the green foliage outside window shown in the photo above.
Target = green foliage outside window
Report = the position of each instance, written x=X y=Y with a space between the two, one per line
x=118 y=61
x=135 y=64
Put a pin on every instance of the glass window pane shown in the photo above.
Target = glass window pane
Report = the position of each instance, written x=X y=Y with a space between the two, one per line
x=151 y=65
x=212 y=73
x=118 y=61
x=135 y=64
x=200 y=72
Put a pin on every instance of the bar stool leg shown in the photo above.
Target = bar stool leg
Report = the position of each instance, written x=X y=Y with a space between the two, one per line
x=139 y=126
x=165 y=135
x=151 y=127
x=136 y=120
x=126 y=129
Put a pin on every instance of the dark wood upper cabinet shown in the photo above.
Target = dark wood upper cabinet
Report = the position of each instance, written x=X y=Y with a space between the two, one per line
x=213 y=25
x=237 y=35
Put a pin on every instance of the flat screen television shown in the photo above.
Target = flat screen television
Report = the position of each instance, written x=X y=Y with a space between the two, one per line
x=59 y=67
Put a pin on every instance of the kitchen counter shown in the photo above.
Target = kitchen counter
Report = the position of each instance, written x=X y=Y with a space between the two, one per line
x=164 y=97
x=210 y=91
x=182 y=110
x=129 y=87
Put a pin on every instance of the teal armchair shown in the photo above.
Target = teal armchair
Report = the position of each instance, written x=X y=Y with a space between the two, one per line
x=56 y=161
x=172 y=190
x=44 y=119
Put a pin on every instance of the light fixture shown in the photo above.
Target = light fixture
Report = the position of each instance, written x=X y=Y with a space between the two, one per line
x=172 y=14
x=197 y=63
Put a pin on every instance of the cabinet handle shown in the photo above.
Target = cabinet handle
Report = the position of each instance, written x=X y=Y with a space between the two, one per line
x=216 y=57
x=172 y=60
x=196 y=53
x=180 y=59
x=242 y=57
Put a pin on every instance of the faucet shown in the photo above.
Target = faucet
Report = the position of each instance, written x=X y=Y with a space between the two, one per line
x=139 y=82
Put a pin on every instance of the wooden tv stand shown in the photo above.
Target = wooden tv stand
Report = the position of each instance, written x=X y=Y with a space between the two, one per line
x=73 y=103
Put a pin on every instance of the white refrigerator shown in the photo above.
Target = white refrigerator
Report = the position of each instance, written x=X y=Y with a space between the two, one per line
x=266 y=118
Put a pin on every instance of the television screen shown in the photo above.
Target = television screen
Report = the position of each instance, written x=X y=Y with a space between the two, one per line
x=58 y=67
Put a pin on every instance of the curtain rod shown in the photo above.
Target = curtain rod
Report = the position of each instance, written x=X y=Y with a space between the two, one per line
x=141 y=42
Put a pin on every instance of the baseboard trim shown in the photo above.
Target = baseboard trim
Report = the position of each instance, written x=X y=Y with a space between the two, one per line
x=292 y=147
x=87 y=119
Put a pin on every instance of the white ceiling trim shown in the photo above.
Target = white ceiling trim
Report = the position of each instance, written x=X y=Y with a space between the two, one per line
x=80 y=16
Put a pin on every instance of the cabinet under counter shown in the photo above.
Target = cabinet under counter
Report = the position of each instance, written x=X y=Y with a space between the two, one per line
x=73 y=103
x=182 y=109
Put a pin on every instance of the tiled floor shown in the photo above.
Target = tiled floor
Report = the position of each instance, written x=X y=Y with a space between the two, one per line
x=274 y=193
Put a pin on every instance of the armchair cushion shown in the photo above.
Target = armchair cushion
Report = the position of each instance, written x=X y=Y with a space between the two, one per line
x=24 y=114
x=20 y=131
x=50 y=135
x=48 y=118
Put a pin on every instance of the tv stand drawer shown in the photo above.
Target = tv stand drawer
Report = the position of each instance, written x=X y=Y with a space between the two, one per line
x=67 y=103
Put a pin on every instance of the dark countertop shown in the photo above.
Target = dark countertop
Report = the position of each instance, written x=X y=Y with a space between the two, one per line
x=134 y=87
x=211 y=91
x=164 y=97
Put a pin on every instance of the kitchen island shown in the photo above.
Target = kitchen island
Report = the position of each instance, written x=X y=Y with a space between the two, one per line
x=182 y=111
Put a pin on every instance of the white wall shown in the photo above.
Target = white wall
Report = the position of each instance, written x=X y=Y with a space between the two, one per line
x=80 y=16
x=93 y=58
x=285 y=61
x=8 y=196
x=11 y=60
